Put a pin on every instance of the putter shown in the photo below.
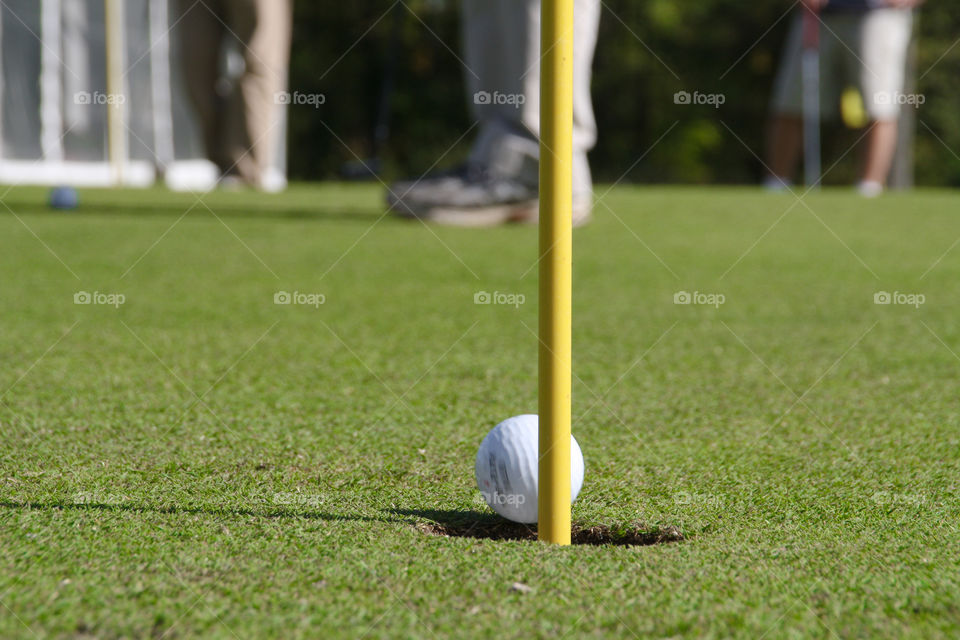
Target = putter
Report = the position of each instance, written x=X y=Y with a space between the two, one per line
x=370 y=168
x=811 y=95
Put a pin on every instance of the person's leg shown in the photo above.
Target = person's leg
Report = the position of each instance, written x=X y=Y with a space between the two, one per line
x=884 y=41
x=785 y=133
x=478 y=25
x=508 y=63
x=201 y=35
x=881 y=145
x=497 y=54
x=500 y=181
x=264 y=28
x=785 y=130
x=784 y=142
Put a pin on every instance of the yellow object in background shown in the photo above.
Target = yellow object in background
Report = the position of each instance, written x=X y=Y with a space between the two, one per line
x=116 y=72
x=852 y=110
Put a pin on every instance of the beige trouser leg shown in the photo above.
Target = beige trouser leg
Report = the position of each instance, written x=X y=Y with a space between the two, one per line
x=241 y=138
x=264 y=28
x=502 y=55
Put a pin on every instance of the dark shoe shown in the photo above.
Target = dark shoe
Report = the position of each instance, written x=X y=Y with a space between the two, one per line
x=469 y=196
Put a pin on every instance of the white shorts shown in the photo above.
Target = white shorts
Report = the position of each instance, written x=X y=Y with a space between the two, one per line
x=864 y=50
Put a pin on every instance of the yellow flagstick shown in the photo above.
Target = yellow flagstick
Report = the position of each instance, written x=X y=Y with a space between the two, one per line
x=116 y=127
x=556 y=268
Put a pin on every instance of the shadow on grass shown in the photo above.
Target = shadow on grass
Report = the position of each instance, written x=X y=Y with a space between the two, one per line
x=449 y=523
x=488 y=526
x=174 y=209
x=212 y=511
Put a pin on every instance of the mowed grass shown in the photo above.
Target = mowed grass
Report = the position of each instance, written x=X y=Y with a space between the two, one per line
x=202 y=462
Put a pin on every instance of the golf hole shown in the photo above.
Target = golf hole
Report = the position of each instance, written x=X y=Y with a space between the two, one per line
x=597 y=535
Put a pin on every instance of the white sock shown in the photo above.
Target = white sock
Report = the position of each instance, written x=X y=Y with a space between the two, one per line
x=776 y=183
x=869 y=188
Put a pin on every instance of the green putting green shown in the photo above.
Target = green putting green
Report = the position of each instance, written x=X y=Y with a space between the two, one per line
x=193 y=459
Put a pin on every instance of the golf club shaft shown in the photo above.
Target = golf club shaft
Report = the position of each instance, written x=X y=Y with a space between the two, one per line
x=381 y=131
x=810 y=61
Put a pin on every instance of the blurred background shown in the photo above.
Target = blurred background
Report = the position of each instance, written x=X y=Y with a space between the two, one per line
x=648 y=50
x=392 y=89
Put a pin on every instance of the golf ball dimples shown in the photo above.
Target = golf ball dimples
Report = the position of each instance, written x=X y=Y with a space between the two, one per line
x=507 y=468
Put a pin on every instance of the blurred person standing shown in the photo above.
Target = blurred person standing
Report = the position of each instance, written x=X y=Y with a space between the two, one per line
x=863 y=43
x=238 y=117
x=499 y=182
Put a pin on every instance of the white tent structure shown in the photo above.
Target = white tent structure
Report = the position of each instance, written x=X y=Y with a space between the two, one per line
x=91 y=94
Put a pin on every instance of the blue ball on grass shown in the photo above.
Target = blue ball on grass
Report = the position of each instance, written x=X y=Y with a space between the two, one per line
x=64 y=198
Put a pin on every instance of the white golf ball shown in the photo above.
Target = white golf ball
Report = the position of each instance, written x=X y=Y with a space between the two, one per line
x=507 y=468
